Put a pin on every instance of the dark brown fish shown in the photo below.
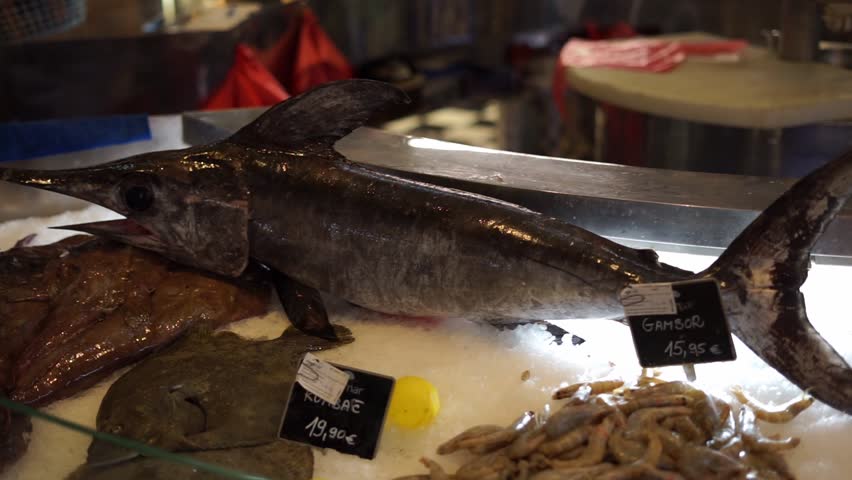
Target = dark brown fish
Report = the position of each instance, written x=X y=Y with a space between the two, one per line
x=74 y=311
x=23 y=310
x=24 y=297
x=278 y=193
x=207 y=393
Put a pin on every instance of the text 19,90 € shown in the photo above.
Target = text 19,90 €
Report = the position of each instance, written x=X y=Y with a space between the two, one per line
x=319 y=428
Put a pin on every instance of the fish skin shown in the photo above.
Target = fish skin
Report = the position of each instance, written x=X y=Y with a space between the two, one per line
x=404 y=247
x=464 y=254
x=75 y=311
x=185 y=398
x=15 y=430
x=23 y=310
x=280 y=460
x=26 y=285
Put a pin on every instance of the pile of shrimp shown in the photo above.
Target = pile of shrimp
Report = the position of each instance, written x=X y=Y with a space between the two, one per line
x=653 y=430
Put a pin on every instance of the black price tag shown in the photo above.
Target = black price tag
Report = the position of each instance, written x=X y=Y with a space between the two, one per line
x=353 y=425
x=697 y=331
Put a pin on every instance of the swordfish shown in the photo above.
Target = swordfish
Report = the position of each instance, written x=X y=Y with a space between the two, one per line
x=277 y=193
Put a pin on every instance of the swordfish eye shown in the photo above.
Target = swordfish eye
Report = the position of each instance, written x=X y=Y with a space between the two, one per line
x=138 y=198
x=137 y=194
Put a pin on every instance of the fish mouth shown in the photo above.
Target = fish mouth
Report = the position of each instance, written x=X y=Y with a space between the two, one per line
x=123 y=230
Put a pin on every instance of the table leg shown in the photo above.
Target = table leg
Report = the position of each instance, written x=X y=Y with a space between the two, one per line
x=764 y=157
x=775 y=153
x=600 y=133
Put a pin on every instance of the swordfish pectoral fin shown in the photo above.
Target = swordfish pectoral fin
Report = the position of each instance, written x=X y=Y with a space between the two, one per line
x=760 y=275
x=304 y=307
x=310 y=343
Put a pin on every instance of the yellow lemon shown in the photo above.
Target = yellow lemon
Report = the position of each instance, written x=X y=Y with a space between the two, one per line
x=414 y=403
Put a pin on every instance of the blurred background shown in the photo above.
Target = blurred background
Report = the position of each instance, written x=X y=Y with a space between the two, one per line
x=767 y=90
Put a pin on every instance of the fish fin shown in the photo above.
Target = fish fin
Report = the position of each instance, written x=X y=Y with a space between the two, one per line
x=760 y=274
x=650 y=255
x=321 y=116
x=217 y=440
x=304 y=307
x=311 y=343
x=26 y=241
x=102 y=454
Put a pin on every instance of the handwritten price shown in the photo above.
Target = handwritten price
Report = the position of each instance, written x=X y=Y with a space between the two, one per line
x=318 y=428
x=682 y=349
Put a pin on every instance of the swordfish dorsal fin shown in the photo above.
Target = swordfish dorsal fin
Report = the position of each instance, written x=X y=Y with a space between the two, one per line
x=320 y=116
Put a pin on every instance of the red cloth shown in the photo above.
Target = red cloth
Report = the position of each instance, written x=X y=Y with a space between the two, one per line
x=637 y=54
x=248 y=84
x=317 y=58
x=303 y=58
x=640 y=54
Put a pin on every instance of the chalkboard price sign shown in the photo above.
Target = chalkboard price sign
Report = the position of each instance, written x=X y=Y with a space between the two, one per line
x=353 y=425
x=696 y=331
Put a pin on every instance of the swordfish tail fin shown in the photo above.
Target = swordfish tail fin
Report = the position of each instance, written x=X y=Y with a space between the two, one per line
x=760 y=275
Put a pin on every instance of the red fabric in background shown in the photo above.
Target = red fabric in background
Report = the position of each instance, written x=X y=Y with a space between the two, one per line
x=248 y=84
x=317 y=60
x=638 y=54
x=303 y=58
x=644 y=54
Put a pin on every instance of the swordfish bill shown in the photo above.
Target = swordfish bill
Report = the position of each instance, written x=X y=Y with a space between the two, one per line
x=277 y=193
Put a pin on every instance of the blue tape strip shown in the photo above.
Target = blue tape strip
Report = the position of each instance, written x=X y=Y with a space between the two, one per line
x=23 y=140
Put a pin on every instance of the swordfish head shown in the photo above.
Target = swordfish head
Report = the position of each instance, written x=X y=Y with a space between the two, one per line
x=192 y=205
x=189 y=205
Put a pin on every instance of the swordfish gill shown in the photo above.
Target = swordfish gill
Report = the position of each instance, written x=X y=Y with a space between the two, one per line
x=277 y=193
